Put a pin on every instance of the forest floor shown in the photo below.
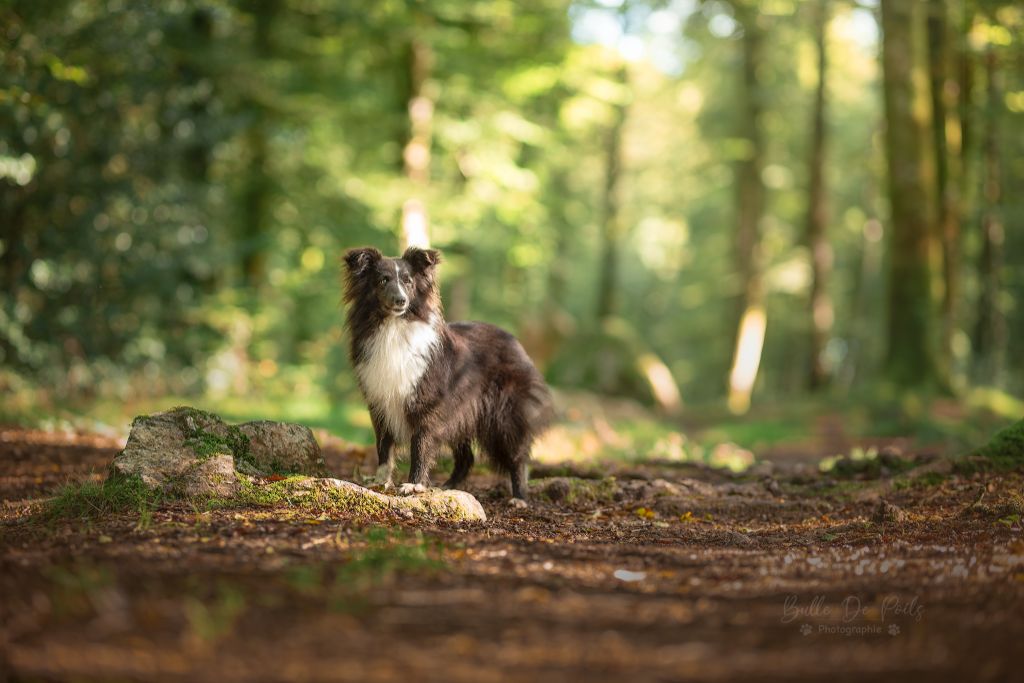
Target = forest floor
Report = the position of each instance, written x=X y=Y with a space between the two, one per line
x=650 y=571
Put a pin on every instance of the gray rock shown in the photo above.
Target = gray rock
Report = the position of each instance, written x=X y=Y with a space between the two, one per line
x=281 y=447
x=194 y=453
x=557 y=490
x=214 y=476
x=157 y=451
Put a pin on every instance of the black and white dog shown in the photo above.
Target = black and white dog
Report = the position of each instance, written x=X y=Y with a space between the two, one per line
x=430 y=383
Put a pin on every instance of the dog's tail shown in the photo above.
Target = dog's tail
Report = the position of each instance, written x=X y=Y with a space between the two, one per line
x=538 y=407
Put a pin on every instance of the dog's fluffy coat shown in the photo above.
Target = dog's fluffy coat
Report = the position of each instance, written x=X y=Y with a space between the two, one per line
x=431 y=384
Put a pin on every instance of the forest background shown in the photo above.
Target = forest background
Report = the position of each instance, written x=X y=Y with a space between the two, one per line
x=709 y=207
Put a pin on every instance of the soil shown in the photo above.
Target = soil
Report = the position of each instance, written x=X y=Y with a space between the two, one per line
x=665 y=572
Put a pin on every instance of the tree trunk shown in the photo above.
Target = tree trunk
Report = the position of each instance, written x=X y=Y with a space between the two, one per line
x=750 y=200
x=966 y=66
x=910 y=359
x=415 y=228
x=255 y=208
x=198 y=151
x=990 y=333
x=611 y=220
x=817 y=214
x=948 y=165
x=256 y=194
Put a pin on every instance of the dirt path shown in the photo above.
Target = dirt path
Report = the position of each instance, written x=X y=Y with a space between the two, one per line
x=664 y=573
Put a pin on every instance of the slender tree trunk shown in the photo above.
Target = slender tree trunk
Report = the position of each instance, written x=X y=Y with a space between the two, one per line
x=415 y=228
x=910 y=360
x=750 y=202
x=990 y=334
x=256 y=194
x=948 y=165
x=611 y=220
x=867 y=292
x=817 y=214
x=197 y=153
x=255 y=208
x=966 y=67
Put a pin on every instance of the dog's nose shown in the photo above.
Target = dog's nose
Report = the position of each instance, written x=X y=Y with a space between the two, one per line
x=399 y=301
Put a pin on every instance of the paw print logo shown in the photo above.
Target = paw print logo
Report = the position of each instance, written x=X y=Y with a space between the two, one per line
x=894 y=629
x=805 y=629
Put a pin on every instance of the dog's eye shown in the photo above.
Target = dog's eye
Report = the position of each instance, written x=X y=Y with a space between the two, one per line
x=407 y=280
x=384 y=280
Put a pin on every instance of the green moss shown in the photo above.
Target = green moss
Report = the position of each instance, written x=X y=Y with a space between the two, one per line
x=866 y=464
x=303 y=492
x=926 y=480
x=387 y=553
x=375 y=557
x=206 y=444
x=269 y=494
x=217 y=437
x=1005 y=451
x=344 y=500
x=88 y=500
x=578 y=491
x=199 y=426
x=213 y=617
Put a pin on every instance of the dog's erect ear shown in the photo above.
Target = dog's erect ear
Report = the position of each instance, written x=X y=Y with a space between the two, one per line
x=422 y=260
x=359 y=260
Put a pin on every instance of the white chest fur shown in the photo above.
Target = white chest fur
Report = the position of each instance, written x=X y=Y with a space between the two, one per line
x=395 y=358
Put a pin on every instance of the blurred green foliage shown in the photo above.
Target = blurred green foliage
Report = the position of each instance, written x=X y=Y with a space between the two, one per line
x=179 y=177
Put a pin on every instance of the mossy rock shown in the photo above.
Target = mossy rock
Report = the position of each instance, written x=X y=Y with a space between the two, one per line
x=576 y=491
x=174 y=451
x=1006 y=449
x=339 y=496
x=279 y=448
x=192 y=454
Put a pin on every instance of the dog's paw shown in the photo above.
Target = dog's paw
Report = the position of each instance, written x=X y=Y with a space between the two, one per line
x=410 y=489
x=518 y=503
x=380 y=480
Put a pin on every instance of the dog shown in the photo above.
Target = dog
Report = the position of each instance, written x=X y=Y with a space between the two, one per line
x=431 y=384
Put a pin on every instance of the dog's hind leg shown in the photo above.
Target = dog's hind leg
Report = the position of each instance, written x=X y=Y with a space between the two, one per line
x=463 y=464
x=518 y=475
x=512 y=455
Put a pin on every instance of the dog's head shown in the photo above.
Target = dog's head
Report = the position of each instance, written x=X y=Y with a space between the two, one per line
x=392 y=286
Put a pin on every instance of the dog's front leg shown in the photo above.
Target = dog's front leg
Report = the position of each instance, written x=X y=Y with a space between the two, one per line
x=385 y=463
x=420 y=458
